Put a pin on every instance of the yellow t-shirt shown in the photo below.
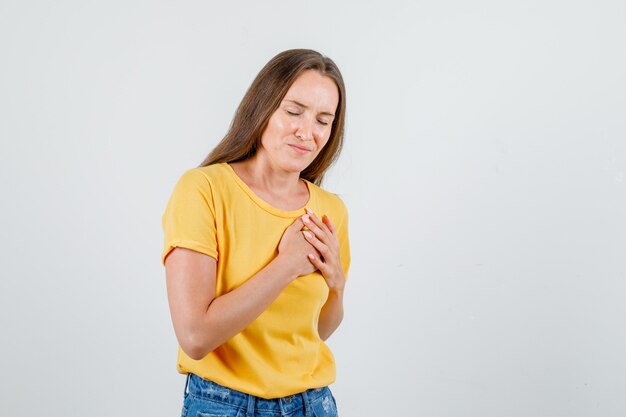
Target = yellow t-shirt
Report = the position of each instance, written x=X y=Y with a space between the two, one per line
x=213 y=211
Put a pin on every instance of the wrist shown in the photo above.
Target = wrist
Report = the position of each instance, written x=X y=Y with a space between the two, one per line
x=337 y=291
x=338 y=283
x=284 y=268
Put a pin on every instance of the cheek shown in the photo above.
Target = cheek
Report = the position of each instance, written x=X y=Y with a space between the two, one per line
x=281 y=124
x=320 y=145
x=323 y=135
x=274 y=132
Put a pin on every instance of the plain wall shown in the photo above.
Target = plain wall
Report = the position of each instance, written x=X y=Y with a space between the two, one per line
x=483 y=170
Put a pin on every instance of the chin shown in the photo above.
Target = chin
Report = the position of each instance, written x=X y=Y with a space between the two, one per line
x=298 y=168
x=295 y=166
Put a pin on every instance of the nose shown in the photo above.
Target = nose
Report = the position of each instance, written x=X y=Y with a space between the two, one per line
x=305 y=130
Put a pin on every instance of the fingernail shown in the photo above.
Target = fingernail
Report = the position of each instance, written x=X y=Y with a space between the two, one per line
x=308 y=234
x=309 y=210
x=306 y=218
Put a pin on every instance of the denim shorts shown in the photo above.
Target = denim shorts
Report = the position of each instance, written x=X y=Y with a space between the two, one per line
x=208 y=399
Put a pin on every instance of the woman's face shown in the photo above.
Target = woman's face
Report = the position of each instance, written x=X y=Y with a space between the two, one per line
x=300 y=127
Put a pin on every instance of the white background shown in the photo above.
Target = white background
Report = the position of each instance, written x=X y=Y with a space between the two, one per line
x=484 y=171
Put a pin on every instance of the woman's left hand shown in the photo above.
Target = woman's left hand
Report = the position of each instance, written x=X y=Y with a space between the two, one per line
x=323 y=236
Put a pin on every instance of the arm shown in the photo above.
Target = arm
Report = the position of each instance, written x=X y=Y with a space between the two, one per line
x=331 y=314
x=202 y=321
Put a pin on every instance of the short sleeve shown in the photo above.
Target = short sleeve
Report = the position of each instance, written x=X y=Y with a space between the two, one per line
x=189 y=218
x=344 y=240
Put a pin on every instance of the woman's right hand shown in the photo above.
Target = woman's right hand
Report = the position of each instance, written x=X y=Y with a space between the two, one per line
x=294 y=248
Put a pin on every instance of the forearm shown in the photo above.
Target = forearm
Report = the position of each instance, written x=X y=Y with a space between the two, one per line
x=230 y=313
x=331 y=314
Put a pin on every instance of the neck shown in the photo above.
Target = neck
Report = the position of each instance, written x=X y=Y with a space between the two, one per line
x=260 y=173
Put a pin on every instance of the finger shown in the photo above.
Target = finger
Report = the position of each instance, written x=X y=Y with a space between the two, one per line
x=317 y=244
x=313 y=227
x=328 y=223
x=317 y=262
x=334 y=241
x=315 y=219
x=312 y=221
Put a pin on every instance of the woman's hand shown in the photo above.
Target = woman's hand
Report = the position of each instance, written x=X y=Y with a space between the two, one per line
x=323 y=236
x=295 y=250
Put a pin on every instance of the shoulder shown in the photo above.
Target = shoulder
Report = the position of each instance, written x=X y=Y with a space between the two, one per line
x=330 y=201
x=202 y=177
x=209 y=172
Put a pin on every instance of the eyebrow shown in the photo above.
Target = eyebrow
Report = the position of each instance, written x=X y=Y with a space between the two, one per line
x=306 y=107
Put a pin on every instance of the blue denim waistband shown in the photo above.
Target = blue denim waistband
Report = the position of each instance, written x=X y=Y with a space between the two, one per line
x=208 y=389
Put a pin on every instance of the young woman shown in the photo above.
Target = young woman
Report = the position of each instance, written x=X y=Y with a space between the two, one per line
x=257 y=254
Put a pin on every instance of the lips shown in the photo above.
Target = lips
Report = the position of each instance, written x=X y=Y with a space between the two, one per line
x=300 y=149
